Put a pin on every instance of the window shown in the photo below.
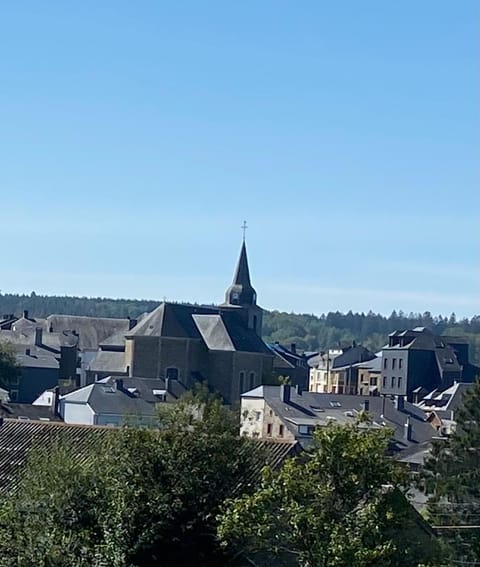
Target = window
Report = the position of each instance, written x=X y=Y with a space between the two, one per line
x=252 y=380
x=258 y=415
x=385 y=362
x=171 y=373
x=394 y=363
x=384 y=381
x=373 y=381
x=242 y=382
x=394 y=381
x=400 y=362
x=280 y=430
x=399 y=381
x=335 y=404
x=269 y=429
x=305 y=429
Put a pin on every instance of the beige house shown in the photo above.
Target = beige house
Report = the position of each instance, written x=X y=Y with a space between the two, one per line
x=321 y=369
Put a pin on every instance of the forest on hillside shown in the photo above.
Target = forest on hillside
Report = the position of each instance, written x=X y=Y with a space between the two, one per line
x=308 y=331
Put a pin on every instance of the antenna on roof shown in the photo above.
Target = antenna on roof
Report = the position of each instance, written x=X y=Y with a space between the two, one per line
x=244 y=228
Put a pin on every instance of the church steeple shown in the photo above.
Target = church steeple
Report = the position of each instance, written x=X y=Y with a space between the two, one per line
x=241 y=296
x=241 y=292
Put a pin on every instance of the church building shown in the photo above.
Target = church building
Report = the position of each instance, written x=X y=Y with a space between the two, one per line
x=221 y=346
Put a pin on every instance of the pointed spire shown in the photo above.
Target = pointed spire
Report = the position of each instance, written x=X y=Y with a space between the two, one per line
x=241 y=291
x=242 y=272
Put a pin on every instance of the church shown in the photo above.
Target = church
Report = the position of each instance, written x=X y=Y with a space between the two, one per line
x=221 y=346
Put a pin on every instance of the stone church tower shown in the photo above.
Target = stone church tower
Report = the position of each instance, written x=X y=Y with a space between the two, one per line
x=242 y=297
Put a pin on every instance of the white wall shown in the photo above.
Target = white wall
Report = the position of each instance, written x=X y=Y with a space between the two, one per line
x=76 y=413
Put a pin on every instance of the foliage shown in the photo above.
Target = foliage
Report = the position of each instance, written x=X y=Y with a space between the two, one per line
x=144 y=497
x=9 y=368
x=340 y=505
x=451 y=478
x=307 y=331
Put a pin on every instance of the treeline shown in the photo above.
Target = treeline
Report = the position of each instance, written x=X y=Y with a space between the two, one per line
x=308 y=332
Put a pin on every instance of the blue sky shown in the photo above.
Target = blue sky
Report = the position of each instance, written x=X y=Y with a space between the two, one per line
x=136 y=137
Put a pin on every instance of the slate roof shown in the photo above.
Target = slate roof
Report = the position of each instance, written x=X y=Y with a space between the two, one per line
x=171 y=320
x=108 y=361
x=38 y=358
x=27 y=412
x=351 y=356
x=126 y=396
x=446 y=401
x=219 y=329
x=318 y=409
x=91 y=330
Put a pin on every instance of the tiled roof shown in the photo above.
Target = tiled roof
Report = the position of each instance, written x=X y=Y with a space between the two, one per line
x=17 y=438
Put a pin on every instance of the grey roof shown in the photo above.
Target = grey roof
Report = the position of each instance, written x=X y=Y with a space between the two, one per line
x=319 y=407
x=27 y=412
x=50 y=341
x=219 y=329
x=171 y=320
x=91 y=330
x=126 y=396
x=351 y=356
x=108 y=361
x=446 y=401
x=38 y=358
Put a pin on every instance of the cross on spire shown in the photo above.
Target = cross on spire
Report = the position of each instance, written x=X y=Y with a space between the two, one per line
x=244 y=228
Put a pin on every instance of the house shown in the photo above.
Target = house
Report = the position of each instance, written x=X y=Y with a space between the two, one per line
x=46 y=359
x=419 y=359
x=369 y=377
x=191 y=343
x=118 y=401
x=320 y=366
x=337 y=372
x=290 y=364
x=441 y=406
x=284 y=413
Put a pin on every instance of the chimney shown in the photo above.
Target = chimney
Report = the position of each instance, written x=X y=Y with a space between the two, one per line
x=167 y=384
x=118 y=383
x=399 y=403
x=366 y=405
x=298 y=388
x=131 y=323
x=27 y=351
x=38 y=336
x=293 y=348
x=25 y=313
x=285 y=393
x=55 y=401
x=407 y=430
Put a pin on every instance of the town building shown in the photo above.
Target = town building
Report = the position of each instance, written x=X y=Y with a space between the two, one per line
x=337 y=371
x=320 y=366
x=284 y=413
x=419 y=359
x=290 y=365
x=119 y=401
x=221 y=346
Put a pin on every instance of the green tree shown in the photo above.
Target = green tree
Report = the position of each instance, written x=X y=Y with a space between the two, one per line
x=341 y=504
x=451 y=478
x=9 y=368
x=139 y=497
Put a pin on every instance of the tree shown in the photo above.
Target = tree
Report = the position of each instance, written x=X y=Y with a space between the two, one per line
x=341 y=504
x=451 y=478
x=9 y=368
x=139 y=497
